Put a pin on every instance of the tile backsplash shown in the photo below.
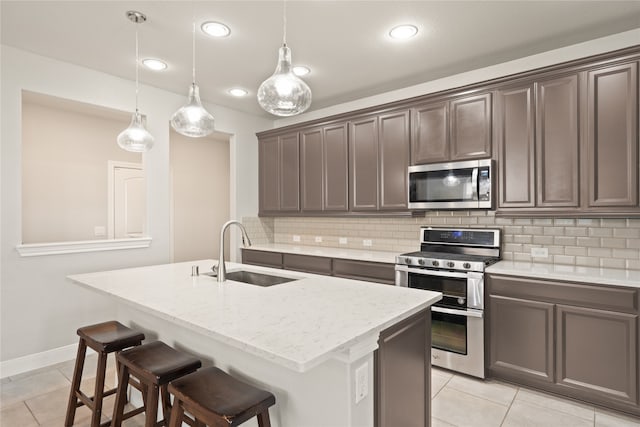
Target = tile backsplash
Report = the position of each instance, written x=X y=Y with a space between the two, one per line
x=594 y=242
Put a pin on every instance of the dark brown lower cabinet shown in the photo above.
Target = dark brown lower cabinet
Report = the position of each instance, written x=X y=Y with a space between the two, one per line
x=575 y=339
x=521 y=339
x=403 y=374
x=379 y=272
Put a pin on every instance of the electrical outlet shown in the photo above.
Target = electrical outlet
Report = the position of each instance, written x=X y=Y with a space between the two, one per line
x=296 y=238
x=99 y=231
x=539 y=252
x=318 y=239
x=362 y=382
x=367 y=242
x=342 y=240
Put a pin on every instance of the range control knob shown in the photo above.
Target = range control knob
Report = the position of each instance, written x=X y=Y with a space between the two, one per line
x=466 y=265
x=421 y=262
x=407 y=260
x=450 y=264
x=435 y=263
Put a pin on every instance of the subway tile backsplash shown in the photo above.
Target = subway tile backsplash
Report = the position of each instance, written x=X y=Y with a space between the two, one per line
x=593 y=242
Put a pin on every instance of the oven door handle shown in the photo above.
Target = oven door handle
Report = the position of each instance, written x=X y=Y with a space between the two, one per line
x=424 y=272
x=466 y=313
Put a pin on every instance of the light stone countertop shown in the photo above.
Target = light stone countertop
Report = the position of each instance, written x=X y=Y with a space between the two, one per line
x=298 y=324
x=354 y=254
x=600 y=276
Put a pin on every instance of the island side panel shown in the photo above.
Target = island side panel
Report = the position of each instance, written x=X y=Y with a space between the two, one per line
x=320 y=397
x=403 y=373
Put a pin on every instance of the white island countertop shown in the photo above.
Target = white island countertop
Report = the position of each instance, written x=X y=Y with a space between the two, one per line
x=298 y=324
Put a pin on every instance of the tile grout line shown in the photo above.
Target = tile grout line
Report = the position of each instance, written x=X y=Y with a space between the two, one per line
x=510 y=405
x=24 y=402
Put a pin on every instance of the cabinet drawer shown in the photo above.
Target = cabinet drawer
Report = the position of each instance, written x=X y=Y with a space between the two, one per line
x=618 y=299
x=262 y=258
x=306 y=263
x=364 y=270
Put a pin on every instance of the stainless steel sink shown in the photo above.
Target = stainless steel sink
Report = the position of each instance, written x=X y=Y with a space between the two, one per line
x=257 y=279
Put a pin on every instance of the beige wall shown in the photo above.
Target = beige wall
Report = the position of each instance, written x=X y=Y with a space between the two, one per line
x=594 y=242
x=65 y=149
x=200 y=195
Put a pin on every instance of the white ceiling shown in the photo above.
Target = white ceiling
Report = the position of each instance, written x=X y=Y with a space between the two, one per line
x=345 y=43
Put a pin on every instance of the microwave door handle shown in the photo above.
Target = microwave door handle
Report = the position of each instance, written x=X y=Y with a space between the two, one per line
x=474 y=184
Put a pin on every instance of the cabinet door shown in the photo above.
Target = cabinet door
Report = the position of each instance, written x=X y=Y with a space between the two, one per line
x=521 y=346
x=430 y=142
x=311 y=170
x=363 y=158
x=262 y=258
x=289 y=173
x=516 y=148
x=470 y=127
x=612 y=136
x=394 y=160
x=269 y=167
x=596 y=356
x=335 y=157
x=403 y=374
x=557 y=142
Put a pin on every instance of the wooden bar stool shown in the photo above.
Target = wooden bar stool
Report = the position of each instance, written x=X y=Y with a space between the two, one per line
x=153 y=365
x=215 y=398
x=104 y=338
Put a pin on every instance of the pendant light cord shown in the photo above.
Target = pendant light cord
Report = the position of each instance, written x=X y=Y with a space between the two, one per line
x=284 y=23
x=137 y=60
x=193 y=51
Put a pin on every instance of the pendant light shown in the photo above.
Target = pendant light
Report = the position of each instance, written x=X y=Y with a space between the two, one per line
x=284 y=93
x=136 y=138
x=192 y=119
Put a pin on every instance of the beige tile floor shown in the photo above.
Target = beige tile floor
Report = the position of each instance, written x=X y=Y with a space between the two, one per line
x=39 y=398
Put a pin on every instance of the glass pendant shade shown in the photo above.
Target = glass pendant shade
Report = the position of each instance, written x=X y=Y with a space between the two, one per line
x=192 y=119
x=135 y=138
x=284 y=93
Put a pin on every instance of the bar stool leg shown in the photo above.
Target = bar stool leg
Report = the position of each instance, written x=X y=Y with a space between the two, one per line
x=166 y=403
x=99 y=391
x=176 y=414
x=118 y=407
x=151 y=411
x=75 y=384
x=263 y=419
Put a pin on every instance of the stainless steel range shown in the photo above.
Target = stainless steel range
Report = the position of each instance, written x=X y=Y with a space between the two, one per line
x=452 y=261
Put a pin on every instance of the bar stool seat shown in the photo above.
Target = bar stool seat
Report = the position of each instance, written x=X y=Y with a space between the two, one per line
x=216 y=398
x=153 y=365
x=104 y=338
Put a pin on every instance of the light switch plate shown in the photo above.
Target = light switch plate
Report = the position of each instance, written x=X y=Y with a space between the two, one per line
x=362 y=382
x=296 y=238
x=342 y=240
x=367 y=242
x=318 y=239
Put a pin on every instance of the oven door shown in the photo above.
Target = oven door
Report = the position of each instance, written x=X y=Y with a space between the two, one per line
x=457 y=340
x=459 y=290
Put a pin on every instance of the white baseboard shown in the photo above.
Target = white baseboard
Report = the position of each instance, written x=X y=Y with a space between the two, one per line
x=39 y=360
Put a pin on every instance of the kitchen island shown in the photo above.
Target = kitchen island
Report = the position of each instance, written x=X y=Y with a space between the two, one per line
x=318 y=343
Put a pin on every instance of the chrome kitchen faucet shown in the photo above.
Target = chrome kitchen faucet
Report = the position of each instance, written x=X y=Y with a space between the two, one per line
x=222 y=271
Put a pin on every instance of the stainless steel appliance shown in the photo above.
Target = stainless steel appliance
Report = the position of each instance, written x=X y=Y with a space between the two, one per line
x=456 y=185
x=452 y=261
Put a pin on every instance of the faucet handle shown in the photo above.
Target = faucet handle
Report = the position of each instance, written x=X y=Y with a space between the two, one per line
x=215 y=270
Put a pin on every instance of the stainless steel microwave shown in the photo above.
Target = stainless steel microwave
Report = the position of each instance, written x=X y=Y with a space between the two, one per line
x=454 y=185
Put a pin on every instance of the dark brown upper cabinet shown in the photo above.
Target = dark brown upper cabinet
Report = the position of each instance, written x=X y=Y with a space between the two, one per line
x=379 y=158
x=557 y=142
x=612 y=137
x=452 y=130
x=470 y=127
x=516 y=147
x=430 y=142
x=279 y=170
x=324 y=169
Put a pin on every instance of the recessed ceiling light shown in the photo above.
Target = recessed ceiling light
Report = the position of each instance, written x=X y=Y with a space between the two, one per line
x=154 y=64
x=301 y=70
x=236 y=91
x=215 y=29
x=403 y=32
